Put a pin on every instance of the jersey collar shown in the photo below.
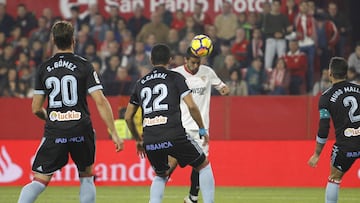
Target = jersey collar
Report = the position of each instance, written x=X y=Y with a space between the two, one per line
x=188 y=70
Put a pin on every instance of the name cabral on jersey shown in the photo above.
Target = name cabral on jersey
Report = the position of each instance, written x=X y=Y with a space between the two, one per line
x=154 y=76
x=61 y=64
x=345 y=89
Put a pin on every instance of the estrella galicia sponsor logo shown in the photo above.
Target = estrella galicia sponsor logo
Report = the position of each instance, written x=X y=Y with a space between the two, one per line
x=64 y=140
x=157 y=146
x=9 y=171
x=67 y=116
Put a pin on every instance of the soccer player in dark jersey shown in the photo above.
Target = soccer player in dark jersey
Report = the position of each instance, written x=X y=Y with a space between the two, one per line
x=65 y=80
x=340 y=103
x=159 y=94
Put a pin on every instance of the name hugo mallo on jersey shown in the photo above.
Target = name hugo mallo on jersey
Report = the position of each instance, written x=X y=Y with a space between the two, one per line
x=339 y=92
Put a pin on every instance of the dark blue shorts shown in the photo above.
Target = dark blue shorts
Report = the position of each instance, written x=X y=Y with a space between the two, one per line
x=343 y=159
x=53 y=153
x=183 y=148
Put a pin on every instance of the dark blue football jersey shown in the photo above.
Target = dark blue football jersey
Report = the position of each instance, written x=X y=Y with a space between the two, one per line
x=159 y=94
x=66 y=79
x=341 y=103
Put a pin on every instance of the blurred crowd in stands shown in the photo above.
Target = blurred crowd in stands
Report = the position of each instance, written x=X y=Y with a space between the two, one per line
x=275 y=52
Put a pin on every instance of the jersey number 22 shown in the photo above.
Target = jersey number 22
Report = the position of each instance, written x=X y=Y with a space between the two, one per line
x=160 y=92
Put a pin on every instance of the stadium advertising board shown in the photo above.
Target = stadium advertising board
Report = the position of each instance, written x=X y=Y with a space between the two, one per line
x=235 y=163
x=244 y=118
x=126 y=7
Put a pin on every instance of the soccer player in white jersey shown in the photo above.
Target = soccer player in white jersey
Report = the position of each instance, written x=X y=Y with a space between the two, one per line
x=200 y=79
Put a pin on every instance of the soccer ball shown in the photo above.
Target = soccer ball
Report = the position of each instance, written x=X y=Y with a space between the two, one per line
x=201 y=45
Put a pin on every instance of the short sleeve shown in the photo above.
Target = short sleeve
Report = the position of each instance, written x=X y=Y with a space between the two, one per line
x=215 y=80
x=39 y=84
x=134 y=99
x=324 y=108
x=93 y=81
x=324 y=122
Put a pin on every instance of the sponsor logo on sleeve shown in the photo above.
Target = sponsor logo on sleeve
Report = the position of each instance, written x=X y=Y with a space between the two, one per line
x=96 y=78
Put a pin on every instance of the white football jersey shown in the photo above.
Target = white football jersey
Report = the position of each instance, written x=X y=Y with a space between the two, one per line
x=200 y=85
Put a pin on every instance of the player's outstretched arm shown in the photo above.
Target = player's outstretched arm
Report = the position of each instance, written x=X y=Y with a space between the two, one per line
x=106 y=114
x=37 y=106
x=129 y=118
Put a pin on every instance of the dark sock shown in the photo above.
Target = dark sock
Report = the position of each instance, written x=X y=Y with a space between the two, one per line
x=194 y=189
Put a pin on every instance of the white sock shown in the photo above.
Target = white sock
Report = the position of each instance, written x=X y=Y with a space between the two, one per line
x=331 y=192
x=207 y=184
x=31 y=191
x=157 y=189
x=87 y=190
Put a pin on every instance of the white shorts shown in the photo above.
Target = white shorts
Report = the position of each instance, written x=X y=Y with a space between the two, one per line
x=195 y=135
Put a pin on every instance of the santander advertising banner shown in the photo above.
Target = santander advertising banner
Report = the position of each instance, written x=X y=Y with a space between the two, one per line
x=235 y=163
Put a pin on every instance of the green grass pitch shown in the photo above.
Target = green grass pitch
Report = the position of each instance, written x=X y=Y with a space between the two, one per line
x=173 y=194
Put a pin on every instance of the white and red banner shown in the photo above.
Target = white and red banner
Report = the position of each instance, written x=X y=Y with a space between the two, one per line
x=235 y=163
x=126 y=7
x=244 y=118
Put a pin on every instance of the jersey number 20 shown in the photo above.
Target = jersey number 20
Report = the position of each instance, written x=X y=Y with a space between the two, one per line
x=68 y=88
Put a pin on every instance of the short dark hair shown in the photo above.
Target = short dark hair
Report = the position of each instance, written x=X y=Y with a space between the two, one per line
x=160 y=54
x=190 y=54
x=338 y=67
x=62 y=32
x=237 y=70
x=75 y=8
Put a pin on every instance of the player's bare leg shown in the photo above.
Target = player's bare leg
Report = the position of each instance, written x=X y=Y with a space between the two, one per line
x=173 y=164
x=32 y=190
x=207 y=182
x=87 y=186
x=332 y=187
